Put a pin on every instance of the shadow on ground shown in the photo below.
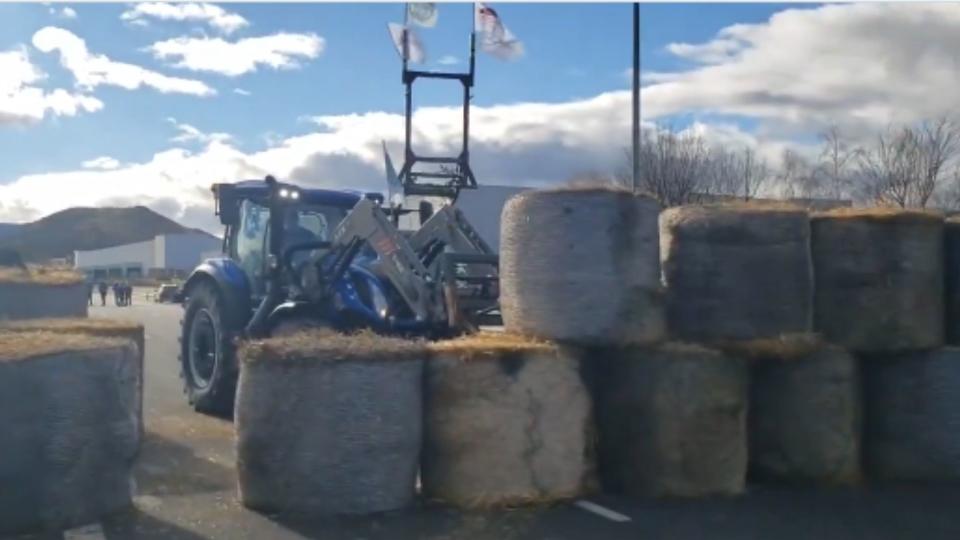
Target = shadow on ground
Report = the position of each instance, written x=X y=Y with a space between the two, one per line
x=170 y=467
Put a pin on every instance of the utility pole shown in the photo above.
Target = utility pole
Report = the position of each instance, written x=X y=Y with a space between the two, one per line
x=636 y=96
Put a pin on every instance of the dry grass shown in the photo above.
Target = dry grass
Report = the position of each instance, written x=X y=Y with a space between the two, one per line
x=490 y=345
x=95 y=325
x=880 y=213
x=41 y=275
x=743 y=207
x=16 y=346
x=784 y=347
x=587 y=187
x=327 y=345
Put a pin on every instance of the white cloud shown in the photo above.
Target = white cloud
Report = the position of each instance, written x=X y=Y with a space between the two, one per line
x=65 y=13
x=212 y=15
x=188 y=133
x=448 y=60
x=105 y=163
x=860 y=65
x=519 y=144
x=92 y=70
x=241 y=91
x=21 y=102
x=278 y=51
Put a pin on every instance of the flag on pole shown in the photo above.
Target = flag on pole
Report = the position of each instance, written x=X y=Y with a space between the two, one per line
x=423 y=13
x=394 y=187
x=495 y=38
x=415 y=51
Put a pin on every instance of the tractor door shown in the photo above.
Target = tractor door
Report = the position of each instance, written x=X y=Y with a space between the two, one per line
x=250 y=244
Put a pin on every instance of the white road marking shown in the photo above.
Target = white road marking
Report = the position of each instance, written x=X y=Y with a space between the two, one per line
x=87 y=532
x=602 y=512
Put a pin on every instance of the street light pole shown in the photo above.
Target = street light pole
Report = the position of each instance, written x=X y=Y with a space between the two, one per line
x=636 y=96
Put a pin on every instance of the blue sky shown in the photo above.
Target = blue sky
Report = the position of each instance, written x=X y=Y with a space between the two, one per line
x=572 y=51
x=119 y=104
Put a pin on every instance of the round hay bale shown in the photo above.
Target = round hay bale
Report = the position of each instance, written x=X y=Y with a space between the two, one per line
x=329 y=424
x=912 y=420
x=951 y=234
x=581 y=265
x=672 y=421
x=879 y=274
x=736 y=272
x=97 y=326
x=41 y=292
x=508 y=422
x=70 y=430
x=805 y=417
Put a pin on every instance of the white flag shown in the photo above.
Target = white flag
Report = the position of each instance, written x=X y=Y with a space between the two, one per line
x=423 y=13
x=415 y=52
x=495 y=38
x=394 y=187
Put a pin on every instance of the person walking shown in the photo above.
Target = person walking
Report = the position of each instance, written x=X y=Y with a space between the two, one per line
x=102 y=287
x=90 y=288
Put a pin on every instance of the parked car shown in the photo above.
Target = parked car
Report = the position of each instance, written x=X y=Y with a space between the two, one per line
x=167 y=292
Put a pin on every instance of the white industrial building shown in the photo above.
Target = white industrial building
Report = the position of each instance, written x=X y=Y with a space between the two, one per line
x=164 y=256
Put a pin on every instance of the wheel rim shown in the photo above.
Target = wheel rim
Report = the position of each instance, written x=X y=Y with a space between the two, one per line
x=203 y=349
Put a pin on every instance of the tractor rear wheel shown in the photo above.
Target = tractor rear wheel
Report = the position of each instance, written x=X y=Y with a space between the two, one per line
x=208 y=363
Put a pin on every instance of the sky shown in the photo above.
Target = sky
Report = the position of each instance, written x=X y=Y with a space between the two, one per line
x=150 y=103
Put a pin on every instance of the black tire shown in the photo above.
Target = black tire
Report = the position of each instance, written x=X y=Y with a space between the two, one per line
x=208 y=363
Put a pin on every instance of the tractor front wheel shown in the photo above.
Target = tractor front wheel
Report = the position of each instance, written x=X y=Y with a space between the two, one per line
x=207 y=357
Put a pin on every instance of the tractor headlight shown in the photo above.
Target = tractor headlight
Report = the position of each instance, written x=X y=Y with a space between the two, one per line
x=380 y=304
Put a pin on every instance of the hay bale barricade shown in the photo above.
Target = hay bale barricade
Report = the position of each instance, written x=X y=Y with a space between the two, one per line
x=329 y=424
x=672 y=421
x=912 y=418
x=70 y=431
x=951 y=270
x=96 y=326
x=508 y=421
x=40 y=292
x=736 y=272
x=880 y=279
x=805 y=414
x=581 y=265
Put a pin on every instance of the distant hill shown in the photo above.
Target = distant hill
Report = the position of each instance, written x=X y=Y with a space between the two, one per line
x=59 y=234
x=8 y=229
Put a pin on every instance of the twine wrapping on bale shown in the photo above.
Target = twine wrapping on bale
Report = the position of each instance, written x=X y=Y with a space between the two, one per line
x=96 y=326
x=672 y=421
x=912 y=418
x=581 y=265
x=39 y=292
x=736 y=272
x=508 y=422
x=951 y=234
x=329 y=424
x=879 y=274
x=805 y=416
x=70 y=431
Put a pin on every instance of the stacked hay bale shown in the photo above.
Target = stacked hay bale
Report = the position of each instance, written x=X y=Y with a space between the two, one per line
x=101 y=327
x=951 y=237
x=736 y=272
x=508 y=421
x=913 y=421
x=672 y=421
x=41 y=292
x=880 y=284
x=880 y=293
x=805 y=412
x=581 y=265
x=328 y=423
x=70 y=432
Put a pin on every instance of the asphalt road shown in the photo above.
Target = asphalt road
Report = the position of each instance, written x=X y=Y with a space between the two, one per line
x=186 y=490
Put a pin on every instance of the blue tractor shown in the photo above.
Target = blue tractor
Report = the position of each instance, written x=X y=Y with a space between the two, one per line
x=313 y=257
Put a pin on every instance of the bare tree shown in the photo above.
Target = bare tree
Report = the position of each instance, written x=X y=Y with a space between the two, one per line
x=906 y=165
x=835 y=160
x=672 y=166
x=798 y=177
x=753 y=173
